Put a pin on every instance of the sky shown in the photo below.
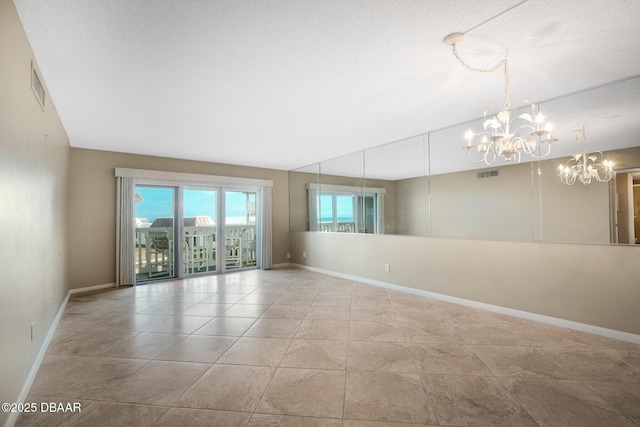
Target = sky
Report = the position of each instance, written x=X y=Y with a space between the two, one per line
x=158 y=202
x=344 y=207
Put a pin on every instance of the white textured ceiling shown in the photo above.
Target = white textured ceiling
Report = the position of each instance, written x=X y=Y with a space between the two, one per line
x=282 y=84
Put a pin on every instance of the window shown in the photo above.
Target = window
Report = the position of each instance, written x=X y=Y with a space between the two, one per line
x=344 y=209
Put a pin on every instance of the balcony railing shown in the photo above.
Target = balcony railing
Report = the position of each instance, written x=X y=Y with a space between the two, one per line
x=155 y=250
x=340 y=227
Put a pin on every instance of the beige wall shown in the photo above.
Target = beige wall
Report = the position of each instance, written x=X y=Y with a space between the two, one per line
x=34 y=154
x=412 y=207
x=590 y=284
x=519 y=205
x=92 y=207
x=498 y=208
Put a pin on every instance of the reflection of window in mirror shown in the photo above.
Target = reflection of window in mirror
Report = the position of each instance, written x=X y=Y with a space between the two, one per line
x=345 y=209
x=337 y=212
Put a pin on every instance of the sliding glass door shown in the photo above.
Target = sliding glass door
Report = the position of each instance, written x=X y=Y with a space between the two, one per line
x=155 y=249
x=241 y=249
x=200 y=239
x=186 y=231
x=174 y=225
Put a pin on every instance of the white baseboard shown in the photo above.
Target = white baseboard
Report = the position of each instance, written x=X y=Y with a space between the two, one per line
x=610 y=333
x=13 y=416
x=91 y=288
x=281 y=265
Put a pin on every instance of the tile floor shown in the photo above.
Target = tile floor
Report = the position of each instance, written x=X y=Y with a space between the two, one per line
x=290 y=347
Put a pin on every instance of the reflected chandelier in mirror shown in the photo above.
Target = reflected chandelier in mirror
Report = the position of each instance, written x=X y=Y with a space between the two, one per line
x=583 y=166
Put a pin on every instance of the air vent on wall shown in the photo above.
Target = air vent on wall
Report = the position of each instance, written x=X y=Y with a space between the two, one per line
x=488 y=174
x=36 y=86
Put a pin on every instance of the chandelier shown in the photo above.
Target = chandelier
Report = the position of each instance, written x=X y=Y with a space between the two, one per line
x=583 y=166
x=506 y=134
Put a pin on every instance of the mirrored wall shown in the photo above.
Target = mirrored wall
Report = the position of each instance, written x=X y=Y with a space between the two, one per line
x=428 y=186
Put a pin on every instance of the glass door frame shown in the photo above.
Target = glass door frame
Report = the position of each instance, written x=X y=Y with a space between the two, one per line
x=183 y=230
x=258 y=226
x=173 y=258
x=179 y=235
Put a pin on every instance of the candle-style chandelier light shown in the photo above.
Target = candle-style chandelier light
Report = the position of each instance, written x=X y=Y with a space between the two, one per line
x=586 y=166
x=506 y=134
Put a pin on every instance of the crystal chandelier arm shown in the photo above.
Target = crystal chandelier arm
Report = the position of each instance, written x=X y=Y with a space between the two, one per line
x=570 y=179
x=568 y=174
x=541 y=156
x=599 y=178
x=474 y=160
x=483 y=145
x=487 y=156
x=606 y=168
x=608 y=175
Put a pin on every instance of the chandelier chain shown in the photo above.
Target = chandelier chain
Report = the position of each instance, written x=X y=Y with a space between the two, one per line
x=503 y=62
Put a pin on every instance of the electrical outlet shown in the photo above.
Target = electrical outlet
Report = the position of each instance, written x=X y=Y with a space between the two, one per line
x=387 y=267
x=304 y=254
x=288 y=255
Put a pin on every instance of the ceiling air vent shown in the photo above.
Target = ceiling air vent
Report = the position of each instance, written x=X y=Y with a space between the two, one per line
x=488 y=174
x=36 y=86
